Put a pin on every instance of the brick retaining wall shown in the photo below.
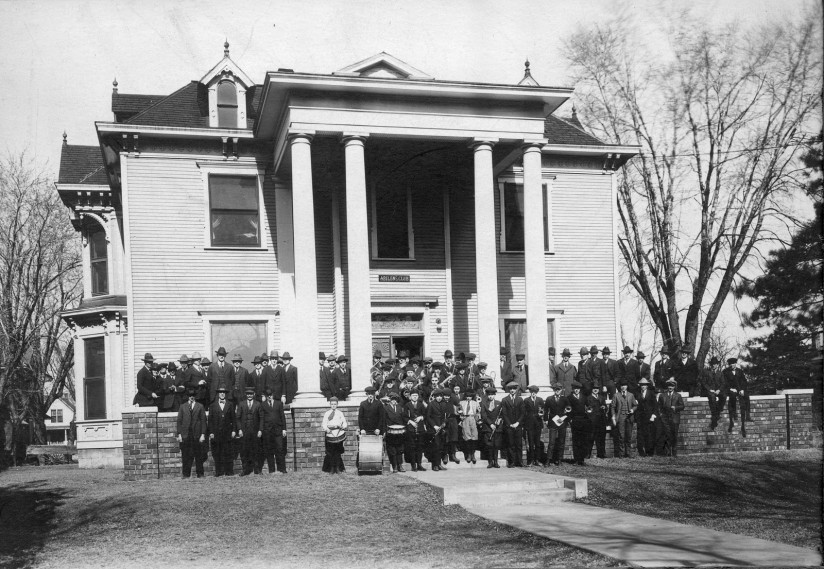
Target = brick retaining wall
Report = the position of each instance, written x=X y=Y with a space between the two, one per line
x=151 y=451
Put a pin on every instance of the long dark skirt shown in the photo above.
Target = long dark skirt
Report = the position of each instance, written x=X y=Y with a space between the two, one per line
x=333 y=460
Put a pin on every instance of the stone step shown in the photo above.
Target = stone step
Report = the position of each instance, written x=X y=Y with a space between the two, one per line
x=483 y=498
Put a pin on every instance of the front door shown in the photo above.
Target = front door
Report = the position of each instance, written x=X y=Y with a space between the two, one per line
x=413 y=344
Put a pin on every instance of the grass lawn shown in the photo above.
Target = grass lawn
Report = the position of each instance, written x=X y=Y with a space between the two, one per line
x=770 y=495
x=62 y=516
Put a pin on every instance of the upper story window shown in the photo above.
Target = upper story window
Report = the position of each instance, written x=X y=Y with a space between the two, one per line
x=234 y=211
x=227 y=104
x=392 y=234
x=512 y=217
x=57 y=415
x=99 y=260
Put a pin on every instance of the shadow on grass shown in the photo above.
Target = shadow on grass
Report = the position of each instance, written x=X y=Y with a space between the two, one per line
x=29 y=519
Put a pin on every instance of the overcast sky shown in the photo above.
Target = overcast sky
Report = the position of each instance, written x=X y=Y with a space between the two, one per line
x=59 y=57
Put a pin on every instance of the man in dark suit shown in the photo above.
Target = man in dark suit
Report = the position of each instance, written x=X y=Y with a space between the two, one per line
x=166 y=389
x=609 y=372
x=565 y=372
x=663 y=369
x=579 y=423
x=241 y=377
x=326 y=376
x=221 y=374
x=519 y=374
x=647 y=416
x=290 y=379
x=249 y=431
x=147 y=387
x=738 y=394
x=191 y=434
x=670 y=404
x=273 y=425
x=557 y=420
x=274 y=380
x=712 y=380
x=491 y=426
x=222 y=423
x=534 y=425
x=685 y=371
x=196 y=377
x=597 y=410
x=256 y=379
x=344 y=377
x=594 y=375
x=624 y=405
x=644 y=368
x=436 y=414
x=629 y=370
x=371 y=416
x=512 y=412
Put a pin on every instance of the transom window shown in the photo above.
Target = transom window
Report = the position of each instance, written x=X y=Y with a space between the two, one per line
x=234 y=209
x=227 y=104
x=392 y=234
x=512 y=217
x=99 y=257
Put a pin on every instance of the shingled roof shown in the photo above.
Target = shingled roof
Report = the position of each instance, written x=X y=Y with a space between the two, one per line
x=189 y=107
x=563 y=131
x=126 y=106
x=81 y=165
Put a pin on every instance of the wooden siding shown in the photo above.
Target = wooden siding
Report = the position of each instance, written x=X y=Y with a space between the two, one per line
x=325 y=272
x=464 y=284
x=580 y=273
x=173 y=275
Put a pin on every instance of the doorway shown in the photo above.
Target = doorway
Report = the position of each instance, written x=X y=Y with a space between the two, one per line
x=413 y=344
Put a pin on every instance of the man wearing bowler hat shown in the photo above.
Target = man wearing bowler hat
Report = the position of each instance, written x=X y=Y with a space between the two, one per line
x=241 y=379
x=222 y=424
x=221 y=373
x=712 y=380
x=290 y=379
x=519 y=374
x=191 y=433
x=146 y=385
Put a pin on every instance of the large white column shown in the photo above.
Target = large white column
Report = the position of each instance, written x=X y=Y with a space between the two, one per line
x=303 y=341
x=486 y=253
x=357 y=272
x=535 y=268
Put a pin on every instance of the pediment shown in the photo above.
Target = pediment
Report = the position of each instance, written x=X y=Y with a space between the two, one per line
x=224 y=68
x=383 y=65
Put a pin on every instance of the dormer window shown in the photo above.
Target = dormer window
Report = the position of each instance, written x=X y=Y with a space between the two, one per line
x=227 y=104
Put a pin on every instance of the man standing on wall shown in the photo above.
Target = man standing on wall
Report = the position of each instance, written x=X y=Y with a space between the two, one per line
x=221 y=374
x=191 y=433
x=146 y=388
x=738 y=391
x=686 y=371
x=290 y=379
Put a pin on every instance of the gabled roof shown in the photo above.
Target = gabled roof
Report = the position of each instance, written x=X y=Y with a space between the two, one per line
x=81 y=165
x=383 y=65
x=558 y=130
x=127 y=105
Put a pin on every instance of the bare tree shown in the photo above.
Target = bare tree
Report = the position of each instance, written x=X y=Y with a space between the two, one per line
x=721 y=120
x=39 y=278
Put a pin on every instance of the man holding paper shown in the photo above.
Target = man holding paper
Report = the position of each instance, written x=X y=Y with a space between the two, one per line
x=556 y=419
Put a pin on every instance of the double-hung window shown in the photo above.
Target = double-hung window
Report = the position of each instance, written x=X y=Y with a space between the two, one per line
x=94 y=383
x=99 y=260
x=392 y=234
x=234 y=211
x=511 y=193
x=227 y=104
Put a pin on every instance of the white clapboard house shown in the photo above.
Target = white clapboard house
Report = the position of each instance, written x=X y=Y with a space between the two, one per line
x=374 y=207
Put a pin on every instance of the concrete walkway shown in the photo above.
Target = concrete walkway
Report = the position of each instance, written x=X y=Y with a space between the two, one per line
x=539 y=503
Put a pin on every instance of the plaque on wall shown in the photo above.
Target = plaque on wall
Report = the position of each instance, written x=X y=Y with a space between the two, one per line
x=393 y=278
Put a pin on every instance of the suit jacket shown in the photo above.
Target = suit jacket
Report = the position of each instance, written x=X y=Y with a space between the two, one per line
x=491 y=417
x=579 y=408
x=394 y=416
x=411 y=411
x=645 y=371
x=662 y=372
x=193 y=378
x=631 y=372
x=221 y=377
x=328 y=382
x=191 y=423
x=713 y=380
x=256 y=381
x=249 y=420
x=371 y=416
x=519 y=376
x=533 y=412
x=512 y=410
x=437 y=413
x=647 y=406
x=566 y=376
x=555 y=406
x=241 y=379
x=609 y=373
x=145 y=387
x=167 y=391
x=735 y=379
x=290 y=382
x=272 y=416
x=624 y=406
x=670 y=405
x=597 y=409
x=686 y=374
x=344 y=379
x=594 y=377
x=222 y=423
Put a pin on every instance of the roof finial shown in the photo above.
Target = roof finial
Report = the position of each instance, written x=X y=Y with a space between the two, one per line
x=114 y=85
x=226 y=47
x=65 y=139
x=574 y=111
x=528 y=78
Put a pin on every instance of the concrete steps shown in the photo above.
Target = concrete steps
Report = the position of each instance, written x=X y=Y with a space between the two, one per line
x=493 y=498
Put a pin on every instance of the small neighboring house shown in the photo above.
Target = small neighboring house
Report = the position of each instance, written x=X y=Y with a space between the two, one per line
x=58 y=423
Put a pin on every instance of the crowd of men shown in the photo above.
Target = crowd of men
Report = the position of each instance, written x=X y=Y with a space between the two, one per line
x=436 y=409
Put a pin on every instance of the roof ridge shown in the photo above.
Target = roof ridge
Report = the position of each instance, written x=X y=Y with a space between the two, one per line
x=156 y=103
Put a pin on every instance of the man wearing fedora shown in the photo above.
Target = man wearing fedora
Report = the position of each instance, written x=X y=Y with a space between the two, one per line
x=647 y=417
x=273 y=377
x=512 y=412
x=249 y=416
x=738 y=394
x=241 y=378
x=712 y=380
x=146 y=385
x=565 y=372
x=663 y=369
x=594 y=372
x=290 y=379
x=191 y=433
x=670 y=404
x=630 y=370
x=644 y=368
x=221 y=373
x=222 y=423
x=196 y=377
x=344 y=377
x=557 y=420
x=328 y=381
x=580 y=423
x=609 y=372
x=273 y=425
x=624 y=405
x=685 y=371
